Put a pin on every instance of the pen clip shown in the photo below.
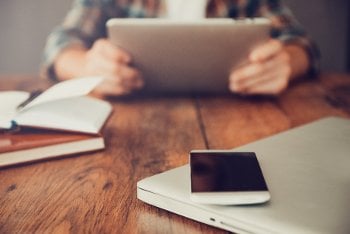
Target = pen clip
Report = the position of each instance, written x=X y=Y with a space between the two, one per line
x=13 y=129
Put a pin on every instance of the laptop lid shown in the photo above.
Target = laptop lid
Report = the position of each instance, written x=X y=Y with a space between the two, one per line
x=306 y=169
x=187 y=56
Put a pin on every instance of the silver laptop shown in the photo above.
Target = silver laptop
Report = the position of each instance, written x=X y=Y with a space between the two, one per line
x=307 y=170
x=187 y=56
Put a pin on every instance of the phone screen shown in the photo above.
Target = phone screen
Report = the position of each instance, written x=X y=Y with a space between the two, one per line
x=225 y=172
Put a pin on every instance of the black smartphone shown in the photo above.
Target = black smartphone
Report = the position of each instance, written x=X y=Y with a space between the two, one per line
x=224 y=177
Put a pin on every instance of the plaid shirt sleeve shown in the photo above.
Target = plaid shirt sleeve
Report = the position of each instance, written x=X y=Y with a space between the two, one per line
x=83 y=24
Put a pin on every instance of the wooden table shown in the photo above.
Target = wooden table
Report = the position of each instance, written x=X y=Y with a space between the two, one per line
x=96 y=192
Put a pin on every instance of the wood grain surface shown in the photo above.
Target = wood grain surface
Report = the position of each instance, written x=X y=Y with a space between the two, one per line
x=96 y=192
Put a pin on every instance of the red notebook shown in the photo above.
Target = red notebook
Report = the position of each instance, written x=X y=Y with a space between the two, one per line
x=30 y=145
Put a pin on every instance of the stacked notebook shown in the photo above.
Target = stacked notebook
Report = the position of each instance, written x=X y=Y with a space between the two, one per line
x=60 y=121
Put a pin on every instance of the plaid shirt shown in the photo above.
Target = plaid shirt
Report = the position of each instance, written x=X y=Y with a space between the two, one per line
x=86 y=20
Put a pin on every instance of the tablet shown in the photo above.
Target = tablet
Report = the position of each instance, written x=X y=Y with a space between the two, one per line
x=187 y=56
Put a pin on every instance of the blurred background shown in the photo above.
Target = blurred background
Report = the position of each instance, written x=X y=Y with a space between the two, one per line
x=25 y=25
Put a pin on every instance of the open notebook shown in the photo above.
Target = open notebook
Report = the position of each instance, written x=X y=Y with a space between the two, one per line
x=60 y=121
x=308 y=173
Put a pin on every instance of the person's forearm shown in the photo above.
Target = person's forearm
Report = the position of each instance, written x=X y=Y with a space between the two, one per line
x=70 y=63
x=299 y=61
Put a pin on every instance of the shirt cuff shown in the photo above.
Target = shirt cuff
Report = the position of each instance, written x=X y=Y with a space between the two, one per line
x=56 y=43
x=310 y=48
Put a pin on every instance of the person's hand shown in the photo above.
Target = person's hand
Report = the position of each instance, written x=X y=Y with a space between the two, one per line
x=268 y=71
x=105 y=59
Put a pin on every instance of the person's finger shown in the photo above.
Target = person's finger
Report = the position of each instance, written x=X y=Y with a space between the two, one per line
x=245 y=73
x=109 y=87
x=273 y=86
x=104 y=66
x=266 y=51
x=130 y=78
x=122 y=75
x=242 y=78
x=254 y=81
x=112 y=52
x=257 y=71
x=273 y=82
x=276 y=81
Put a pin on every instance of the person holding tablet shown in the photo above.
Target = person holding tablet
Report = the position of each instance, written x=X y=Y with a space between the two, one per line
x=79 y=46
